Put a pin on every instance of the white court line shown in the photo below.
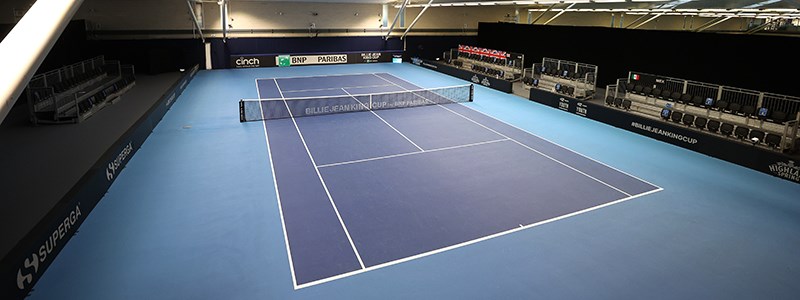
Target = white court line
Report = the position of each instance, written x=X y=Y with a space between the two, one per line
x=451 y=247
x=384 y=121
x=313 y=76
x=538 y=136
x=350 y=239
x=521 y=144
x=409 y=153
x=277 y=195
x=336 y=88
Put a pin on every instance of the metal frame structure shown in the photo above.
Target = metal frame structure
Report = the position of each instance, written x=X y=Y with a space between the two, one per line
x=789 y=104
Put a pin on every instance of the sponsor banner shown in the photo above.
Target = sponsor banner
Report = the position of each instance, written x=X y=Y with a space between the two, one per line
x=24 y=265
x=299 y=60
x=757 y=158
x=287 y=60
x=252 y=61
x=487 y=81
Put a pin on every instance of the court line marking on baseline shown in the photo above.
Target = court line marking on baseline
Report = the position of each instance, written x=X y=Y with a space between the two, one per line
x=319 y=175
x=520 y=143
x=336 y=88
x=542 y=138
x=384 y=121
x=409 y=153
x=277 y=193
x=481 y=239
x=313 y=76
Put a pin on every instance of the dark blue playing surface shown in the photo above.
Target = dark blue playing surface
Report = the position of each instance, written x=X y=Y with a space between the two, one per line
x=363 y=190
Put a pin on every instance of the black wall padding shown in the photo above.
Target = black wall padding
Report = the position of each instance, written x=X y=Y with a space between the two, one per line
x=765 y=63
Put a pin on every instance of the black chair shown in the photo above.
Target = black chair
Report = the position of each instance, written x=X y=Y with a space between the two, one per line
x=626 y=104
x=675 y=96
x=713 y=125
x=721 y=105
x=688 y=119
x=697 y=100
x=734 y=108
x=757 y=134
x=647 y=90
x=638 y=89
x=628 y=86
x=685 y=98
x=747 y=111
x=700 y=122
x=609 y=100
x=618 y=102
x=726 y=129
x=773 y=140
x=778 y=116
x=665 y=94
x=741 y=132
x=656 y=92
x=676 y=116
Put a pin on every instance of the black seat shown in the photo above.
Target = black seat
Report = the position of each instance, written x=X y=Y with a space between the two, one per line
x=697 y=100
x=647 y=90
x=626 y=104
x=713 y=125
x=656 y=92
x=688 y=119
x=675 y=96
x=609 y=100
x=741 y=132
x=773 y=140
x=700 y=122
x=778 y=116
x=685 y=98
x=638 y=89
x=677 y=116
x=628 y=86
x=748 y=110
x=722 y=105
x=726 y=128
x=618 y=102
x=665 y=94
x=734 y=108
x=757 y=134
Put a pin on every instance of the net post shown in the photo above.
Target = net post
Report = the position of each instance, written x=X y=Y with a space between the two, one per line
x=370 y=102
x=471 y=92
x=241 y=111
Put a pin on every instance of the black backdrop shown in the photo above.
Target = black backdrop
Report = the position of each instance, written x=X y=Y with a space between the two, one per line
x=759 y=62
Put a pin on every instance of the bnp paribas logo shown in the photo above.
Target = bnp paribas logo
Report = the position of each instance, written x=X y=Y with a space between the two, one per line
x=786 y=170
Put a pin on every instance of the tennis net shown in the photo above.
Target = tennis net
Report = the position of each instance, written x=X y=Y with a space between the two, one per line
x=278 y=108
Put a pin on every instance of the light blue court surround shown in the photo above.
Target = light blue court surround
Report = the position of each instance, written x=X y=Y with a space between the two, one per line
x=194 y=216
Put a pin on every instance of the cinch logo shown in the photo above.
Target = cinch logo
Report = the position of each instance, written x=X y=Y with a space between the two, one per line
x=786 y=170
x=40 y=256
x=241 y=61
x=111 y=170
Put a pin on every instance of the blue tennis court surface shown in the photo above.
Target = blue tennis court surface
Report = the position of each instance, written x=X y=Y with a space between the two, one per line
x=363 y=190
x=195 y=214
